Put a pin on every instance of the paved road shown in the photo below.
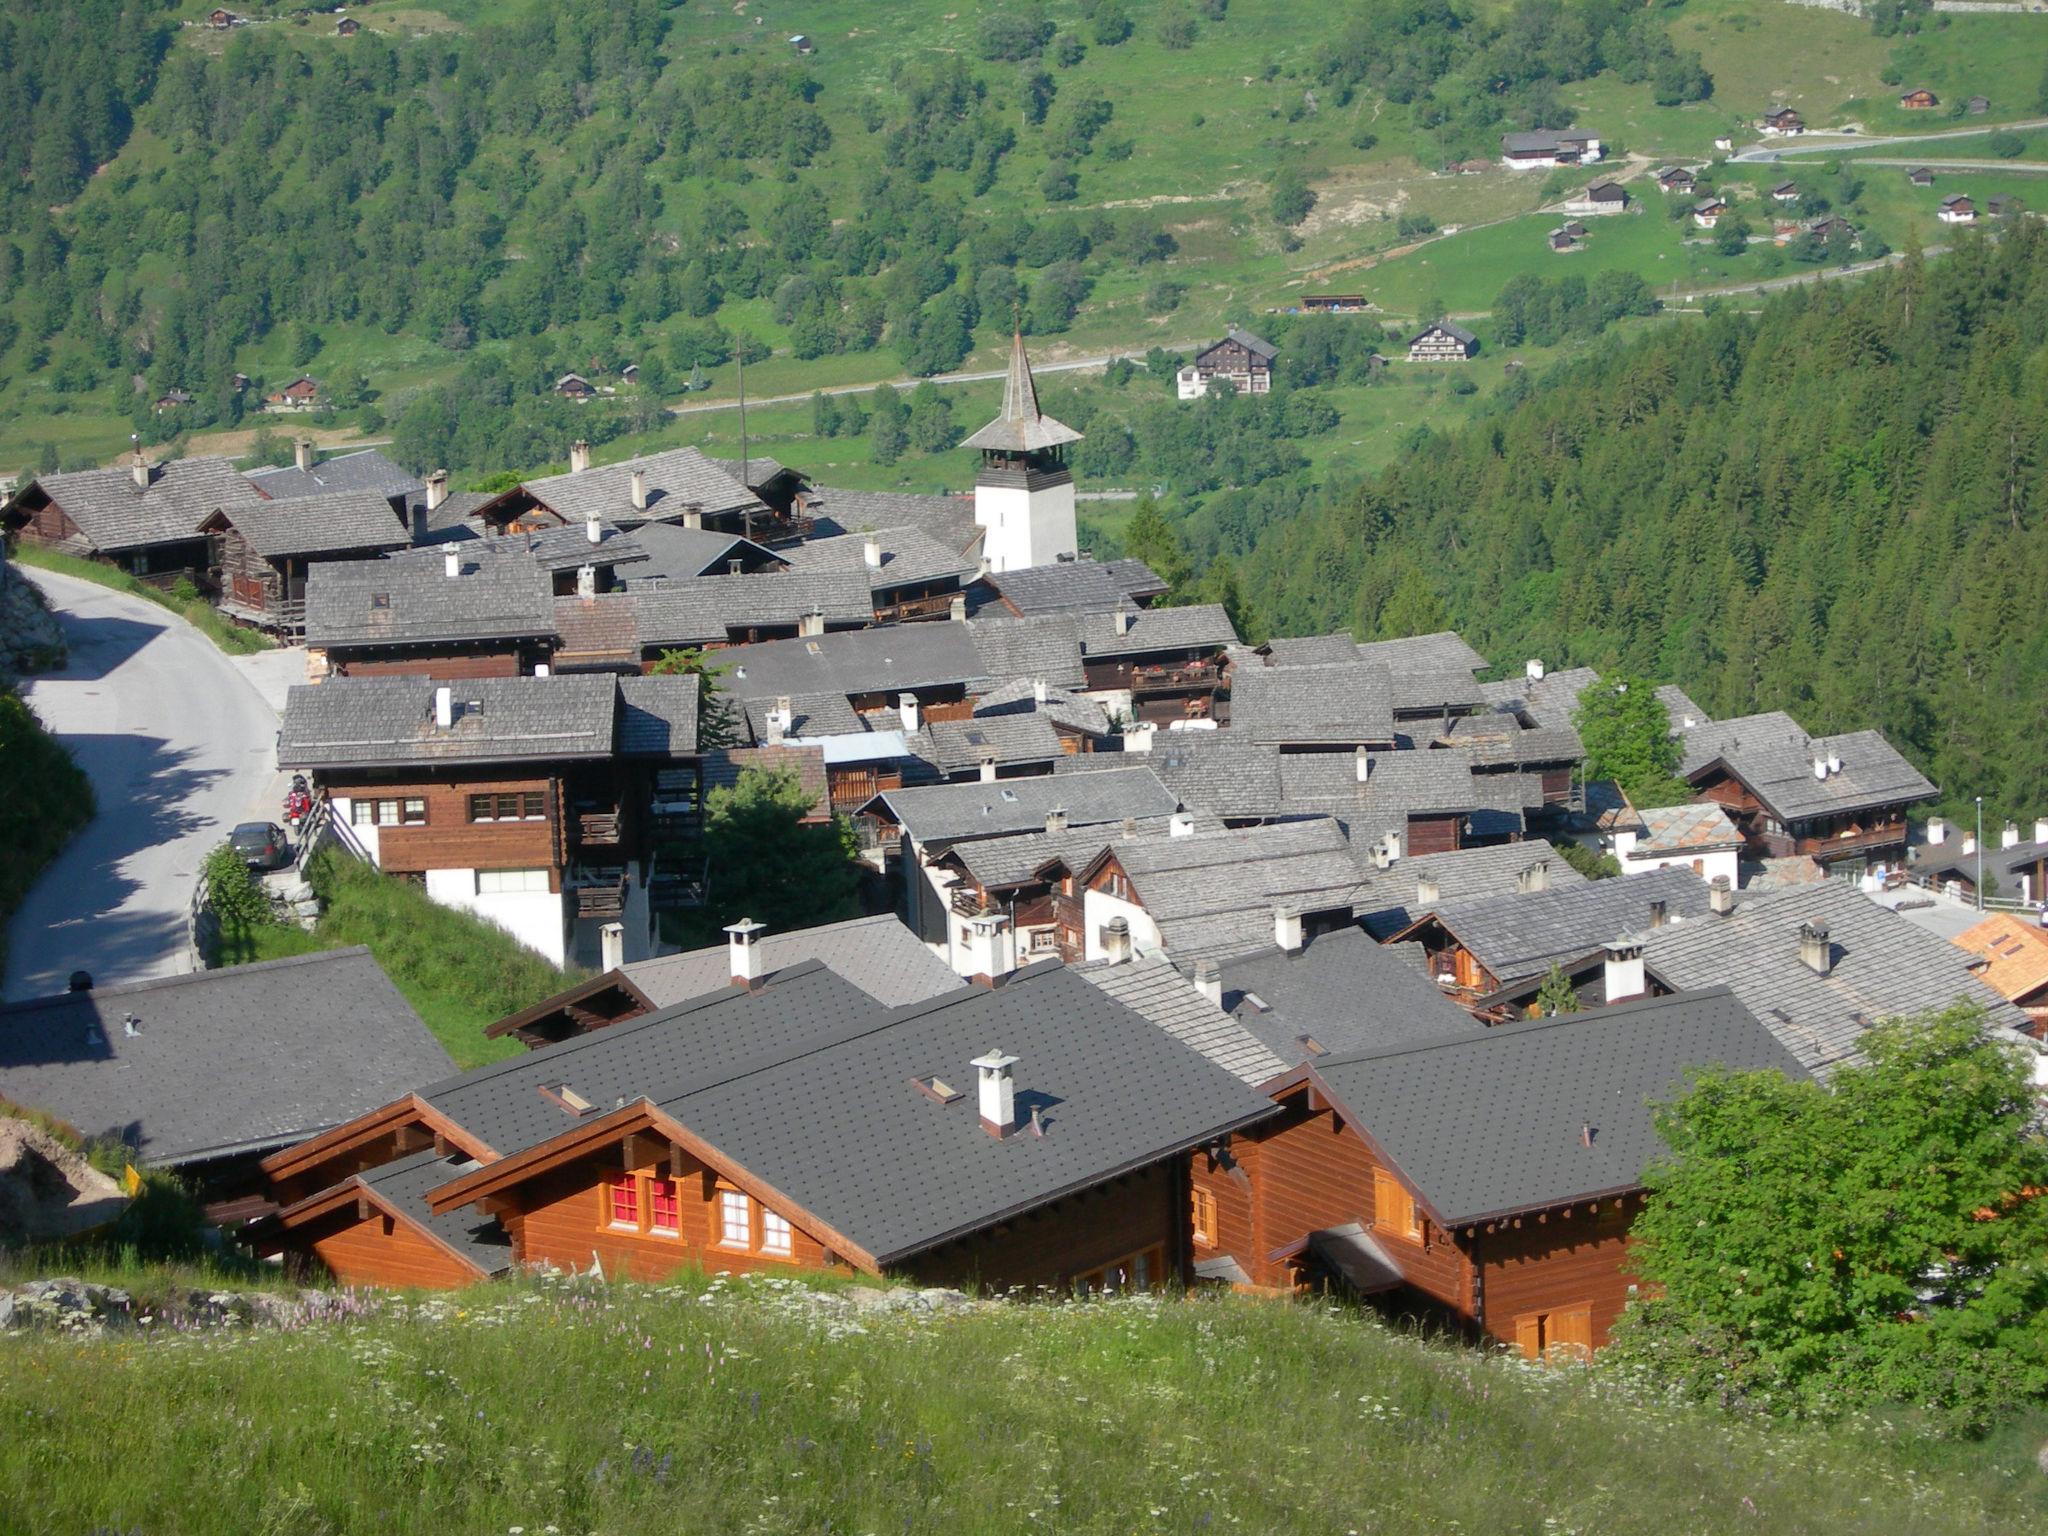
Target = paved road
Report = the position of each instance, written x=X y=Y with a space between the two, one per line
x=1835 y=144
x=179 y=747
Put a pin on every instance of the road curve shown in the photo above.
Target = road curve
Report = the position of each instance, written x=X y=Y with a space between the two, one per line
x=179 y=747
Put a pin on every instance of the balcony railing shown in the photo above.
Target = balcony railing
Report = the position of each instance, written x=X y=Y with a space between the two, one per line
x=600 y=894
x=1167 y=679
x=936 y=605
x=597 y=828
x=1835 y=845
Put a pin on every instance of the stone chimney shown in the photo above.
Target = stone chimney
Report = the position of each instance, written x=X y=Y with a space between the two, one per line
x=1287 y=929
x=437 y=489
x=988 y=770
x=639 y=490
x=812 y=623
x=1814 y=950
x=444 y=707
x=2009 y=834
x=998 y=1092
x=1056 y=819
x=1720 y=896
x=586 y=582
x=906 y=708
x=693 y=514
x=1116 y=940
x=871 y=552
x=779 y=719
x=1533 y=670
x=139 y=470
x=1182 y=824
x=593 y=530
x=579 y=456
x=1536 y=877
x=1209 y=981
x=956 y=610
x=1362 y=763
x=1937 y=830
x=1427 y=892
x=743 y=948
x=1623 y=975
x=611 y=943
x=451 y=565
x=1122 y=619
x=302 y=454
x=1660 y=913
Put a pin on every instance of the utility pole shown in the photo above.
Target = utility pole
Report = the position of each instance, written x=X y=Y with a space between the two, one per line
x=1980 y=853
x=740 y=352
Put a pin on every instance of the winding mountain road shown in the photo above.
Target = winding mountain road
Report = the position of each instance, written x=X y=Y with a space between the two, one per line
x=179 y=745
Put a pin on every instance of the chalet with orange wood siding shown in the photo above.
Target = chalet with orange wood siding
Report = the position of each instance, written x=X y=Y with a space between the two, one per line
x=1841 y=800
x=1488 y=1180
x=143 y=516
x=1919 y=99
x=455 y=612
x=679 y=486
x=263 y=551
x=302 y=394
x=793 y=1121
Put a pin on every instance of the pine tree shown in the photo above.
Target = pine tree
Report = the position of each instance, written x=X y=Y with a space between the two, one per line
x=1556 y=995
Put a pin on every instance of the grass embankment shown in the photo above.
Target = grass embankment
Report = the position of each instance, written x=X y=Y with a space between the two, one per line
x=194 y=610
x=458 y=972
x=565 y=1409
x=44 y=798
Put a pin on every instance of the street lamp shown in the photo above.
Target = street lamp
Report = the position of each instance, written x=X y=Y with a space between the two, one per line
x=1980 y=853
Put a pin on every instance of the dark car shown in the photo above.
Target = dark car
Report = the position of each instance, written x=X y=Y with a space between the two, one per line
x=262 y=844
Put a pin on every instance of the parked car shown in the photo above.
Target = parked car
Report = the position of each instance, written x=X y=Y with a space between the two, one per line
x=262 y=844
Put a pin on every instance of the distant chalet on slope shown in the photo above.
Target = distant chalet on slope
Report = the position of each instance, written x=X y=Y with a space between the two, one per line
x=1442 y=342
x=1540 y=151
x=1242 y=358
x=1783 y=122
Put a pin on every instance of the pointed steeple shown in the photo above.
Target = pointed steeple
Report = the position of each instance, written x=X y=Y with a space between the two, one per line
x=1022 y=427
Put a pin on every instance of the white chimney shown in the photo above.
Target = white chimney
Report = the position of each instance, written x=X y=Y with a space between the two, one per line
x=1287 y=929
x=1362 y=760
x=871 y=552
x=451 y=565
x=906 y=707
x=2009 y=834
x=586 y=581
x=1814 y=948
x=1969 y=843
x=1116 y=940
x=302 y=453
x=542 y=669
x=1038 y=690
x=998 y=1092
x=593 y=530
x=444 y=707
x=1937 y=830
x=1820 y=766
x=1139 y=737
x=812 y=623
x=1536 y=877
x=1182 y=824
x=639 y=490
x=1834 y=761
x=1427 y=892
x=1209 y=981
x=988 y=770
x=1720 y=896
x=1533 y=670
x=1056 y=819
x=579 y=456
x=1123 y=621
x=2041 y=829
x=956 y=610
x=1623 y=977
x=742 y=947
x=693 y=515
x=611 y=943
x=437 y=488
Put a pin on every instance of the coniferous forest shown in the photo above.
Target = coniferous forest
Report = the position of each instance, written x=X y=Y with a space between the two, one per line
x=1837 y=507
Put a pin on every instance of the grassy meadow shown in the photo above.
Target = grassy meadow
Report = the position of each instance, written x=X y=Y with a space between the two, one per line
x=542 y=1407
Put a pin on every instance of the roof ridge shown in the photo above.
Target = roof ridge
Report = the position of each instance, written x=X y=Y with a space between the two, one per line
x=1521 y=1027
x=155 y=983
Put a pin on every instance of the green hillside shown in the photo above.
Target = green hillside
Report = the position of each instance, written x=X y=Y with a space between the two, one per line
x=701 y=1408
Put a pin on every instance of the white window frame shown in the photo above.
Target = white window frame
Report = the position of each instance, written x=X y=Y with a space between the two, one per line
x=502 y=882
x=735 y=1206
x=777 y=1236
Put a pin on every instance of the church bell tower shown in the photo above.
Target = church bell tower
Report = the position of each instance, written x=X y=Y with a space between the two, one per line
x=1024 y=492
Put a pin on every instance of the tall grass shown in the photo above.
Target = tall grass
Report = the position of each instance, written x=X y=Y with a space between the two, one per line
x=196 y=611
x=44 y=798
x=548 y=1407
x=458 y=972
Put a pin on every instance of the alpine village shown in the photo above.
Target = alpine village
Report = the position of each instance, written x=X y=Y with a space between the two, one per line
x=1106 y=766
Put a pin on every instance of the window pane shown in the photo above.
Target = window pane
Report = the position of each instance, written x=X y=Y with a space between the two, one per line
x=625 y=1203
x=480 y=807
x=775 y=1235
x=735 y=1228
x=360 y=812
x=415 y=811
x=387 y=813
x=536 y=807
x=663 y=1206
x=508 y=807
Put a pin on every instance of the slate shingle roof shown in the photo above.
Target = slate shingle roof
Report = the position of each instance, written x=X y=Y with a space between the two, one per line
x=955 y=746
x=366 y=469
x=1047 y=646
x=811 y=715
x=709 y=608
x=1685 y=829
x=1520 y=935
x=1215 y=892
x=876 y=954
x=675 y=478
x=657 y=716
x=996 y=863
x=1399 y=785
x=1392 y=897
x=495 y=595
x=1075 y=711
x=886 y=661
x=389 y=721
x=1021 y=427
x=113 y=514
x=938 y=815
x=1774 y=757
x=567 y=547
x=909 y=556
x=1078 y=586
x=1344 y=992
x=1155 y=990
x=1350 y=703
x=591 y=630
x=340 y=520
x=1884 y=967
x=949 y=519
x=1495 y=1122
x=1199 y=626
x=1443 y=651
x=675 y=553
x=255 y=1056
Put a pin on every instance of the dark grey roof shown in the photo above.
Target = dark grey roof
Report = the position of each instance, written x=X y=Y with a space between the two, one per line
x=1399 y=785
x=340 y=520
x=712 y=607
x=404 y=1183
x=950 y=519
x=495 y=595
x=1497 y=1121
x=671 y=552
x=1999 y=862
x=1679 y=705
x=757 y=471
x=1543 y=141
x=113 y=514
x=1392 y=898
x=1298 y=651
x=389 y=721
x=995 y=863
x=1047 y=646
x=1197 y=626
x=675 y=478
x=1455 y=332
x=1075 y=711
x=253 y=1057
x=1884 y=967
x=603 y=629
x=452 y=521
x=1343 y=992
x=1349 y=703
x=888 y=660
x=1021 y=427
x=877 y=954
x=1215 y=892
x=938 y=815
x=657 y=716
x=1519 y=935
x=1153 y=989
x=908 y=556
x=1445 y=650
x=1503 y=735
x=1775 y=758
x=569 y=546
x=956 y=746
x=1258 y=346
x=1078 y=586
x=1221 y=773
x=366 y=469
x=811 y=715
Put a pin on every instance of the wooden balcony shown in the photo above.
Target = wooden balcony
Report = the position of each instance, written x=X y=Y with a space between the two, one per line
x=936 y=605
x=966 y=901
x=1853 y=841
x=596 y=826
x=602 y=893
x=1176 y=679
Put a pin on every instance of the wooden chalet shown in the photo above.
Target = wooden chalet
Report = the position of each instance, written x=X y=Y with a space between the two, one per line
x=573 y=386
x=1333 y=303
x=679 y=486
x=302 y=394
x=1783 y=121
x=1485 y=1180
x=1920 y=176
x=1600 y=197
x=1957 y=208
x=1919 y=99
x=1785 y=192
x=475 y=609
x=1708 y=211
x=220 y=19
x=170 y=400
x=710 y=1134
x=1543 y=149
x=1171 y=661
x=348 y=26
x=143 y=516
x=1676 y=178
x=1442 y=342
x=263 y=550
x=2015 y=867
x=1840 y=800
x=1243 y=359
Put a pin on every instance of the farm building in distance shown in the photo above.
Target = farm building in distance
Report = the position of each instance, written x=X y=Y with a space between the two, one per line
x=1442 y=342
x=1243 y=359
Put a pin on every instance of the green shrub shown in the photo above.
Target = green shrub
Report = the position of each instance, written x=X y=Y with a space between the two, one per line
x=46 y=798
x=194 y=609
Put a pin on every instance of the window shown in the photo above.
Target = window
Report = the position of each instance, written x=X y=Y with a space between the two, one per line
x=1394 y=1208
x=413 y=812
x=625 y=1203
x=481 y=807
x=362 y=813
x=1134 y=1272
x=387 y=813
x=735 y=1219
x=510 y=882
x=1561 y=1333
x=515 y=805
x=1202 y=1216
x=775 y=1234
x=664 y=1207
